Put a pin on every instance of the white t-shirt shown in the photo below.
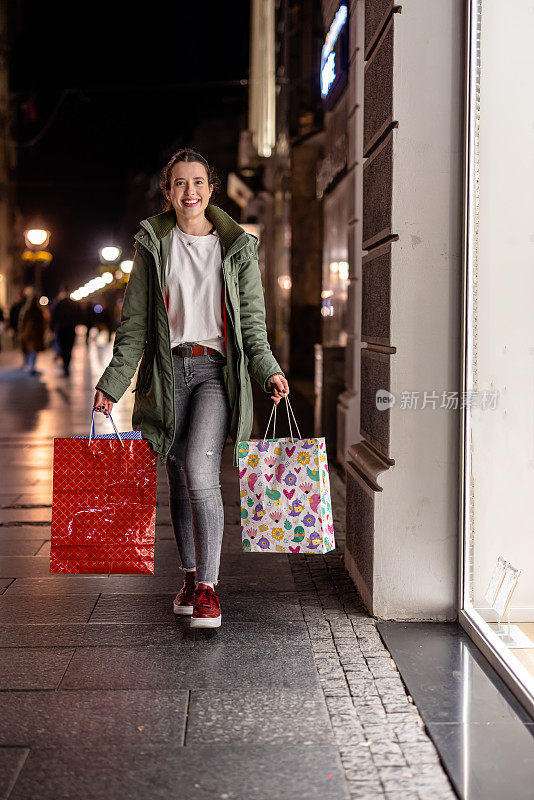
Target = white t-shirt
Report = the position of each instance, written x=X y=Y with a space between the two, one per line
x=194 y=280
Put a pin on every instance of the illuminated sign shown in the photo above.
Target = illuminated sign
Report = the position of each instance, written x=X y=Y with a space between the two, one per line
x=334 y=57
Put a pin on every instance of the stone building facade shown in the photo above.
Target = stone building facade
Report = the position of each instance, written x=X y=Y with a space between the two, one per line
x=374 y=261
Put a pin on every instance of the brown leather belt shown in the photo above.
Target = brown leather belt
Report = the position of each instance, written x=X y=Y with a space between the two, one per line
x=188 y=350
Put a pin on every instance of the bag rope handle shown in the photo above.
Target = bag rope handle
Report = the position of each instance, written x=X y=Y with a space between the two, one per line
x=288 y=408
x=92 y=430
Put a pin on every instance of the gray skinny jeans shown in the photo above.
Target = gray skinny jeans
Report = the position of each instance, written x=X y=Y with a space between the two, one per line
x=203 y=416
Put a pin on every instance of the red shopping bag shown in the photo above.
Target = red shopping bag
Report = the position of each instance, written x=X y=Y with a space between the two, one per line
x=104 y=504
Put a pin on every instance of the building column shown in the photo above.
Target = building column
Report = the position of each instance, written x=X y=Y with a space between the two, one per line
x=348 y=410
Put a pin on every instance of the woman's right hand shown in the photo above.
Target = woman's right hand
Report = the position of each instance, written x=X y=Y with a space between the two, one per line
x=102 y=403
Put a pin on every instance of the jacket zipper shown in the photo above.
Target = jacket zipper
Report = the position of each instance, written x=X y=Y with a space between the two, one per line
x=165 y=303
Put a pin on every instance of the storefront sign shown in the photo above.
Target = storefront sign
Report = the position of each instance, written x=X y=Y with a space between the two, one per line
x=334 y=58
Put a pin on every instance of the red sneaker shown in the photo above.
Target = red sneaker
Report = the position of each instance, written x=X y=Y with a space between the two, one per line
x=183 y=602
x=207 y=609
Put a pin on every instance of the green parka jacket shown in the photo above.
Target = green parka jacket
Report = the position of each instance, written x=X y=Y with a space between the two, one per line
x=144 y=331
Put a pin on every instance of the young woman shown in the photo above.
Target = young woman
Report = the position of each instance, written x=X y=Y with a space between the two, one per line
x=194 y=314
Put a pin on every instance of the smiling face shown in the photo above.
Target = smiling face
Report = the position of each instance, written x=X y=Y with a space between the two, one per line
x=189 y=190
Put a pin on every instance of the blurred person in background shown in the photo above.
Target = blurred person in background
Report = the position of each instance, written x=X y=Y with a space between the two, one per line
x=107 y=322
x=95 y=319
x=54 y=343
x=65 y=316
x=14 y=313
x=88 y=320
x=31 y=329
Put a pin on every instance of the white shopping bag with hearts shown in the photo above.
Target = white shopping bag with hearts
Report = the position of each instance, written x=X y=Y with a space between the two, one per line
x=285 y=493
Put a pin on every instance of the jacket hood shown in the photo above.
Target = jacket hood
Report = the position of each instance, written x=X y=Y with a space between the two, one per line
x=227 y=228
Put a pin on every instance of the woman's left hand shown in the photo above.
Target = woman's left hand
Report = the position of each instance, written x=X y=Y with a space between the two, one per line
x=280 y=386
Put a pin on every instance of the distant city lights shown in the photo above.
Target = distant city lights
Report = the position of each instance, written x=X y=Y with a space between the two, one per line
x=43 y=301
x=284 y=282
x=126 y=266
x=99 y=283
x=342 y=269
x=327 y=308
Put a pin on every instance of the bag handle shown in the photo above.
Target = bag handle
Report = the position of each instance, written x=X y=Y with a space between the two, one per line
x=92 y=430
x=288 y=408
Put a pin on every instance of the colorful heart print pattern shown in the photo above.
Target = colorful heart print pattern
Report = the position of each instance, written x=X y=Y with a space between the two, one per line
x=285 y=496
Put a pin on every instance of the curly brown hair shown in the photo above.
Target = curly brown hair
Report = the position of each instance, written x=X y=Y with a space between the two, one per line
x=186 y=154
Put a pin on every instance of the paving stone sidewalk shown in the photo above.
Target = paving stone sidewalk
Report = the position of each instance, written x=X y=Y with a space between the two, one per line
x=382 y=742
x=105 y=694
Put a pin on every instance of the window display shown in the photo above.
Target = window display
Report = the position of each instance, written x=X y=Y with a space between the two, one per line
x=497 y=553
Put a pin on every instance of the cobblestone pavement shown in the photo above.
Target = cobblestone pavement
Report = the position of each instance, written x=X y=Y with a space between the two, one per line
x=383 y=745
x=106 y=695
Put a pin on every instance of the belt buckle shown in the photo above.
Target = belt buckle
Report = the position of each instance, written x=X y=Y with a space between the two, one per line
x=188 y=350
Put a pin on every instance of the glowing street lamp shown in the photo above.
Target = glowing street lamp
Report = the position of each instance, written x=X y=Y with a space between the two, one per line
x=110 y=253
x=36 y=238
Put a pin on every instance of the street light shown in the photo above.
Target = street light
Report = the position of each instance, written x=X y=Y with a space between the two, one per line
x=110 y=253
x=37 y=240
